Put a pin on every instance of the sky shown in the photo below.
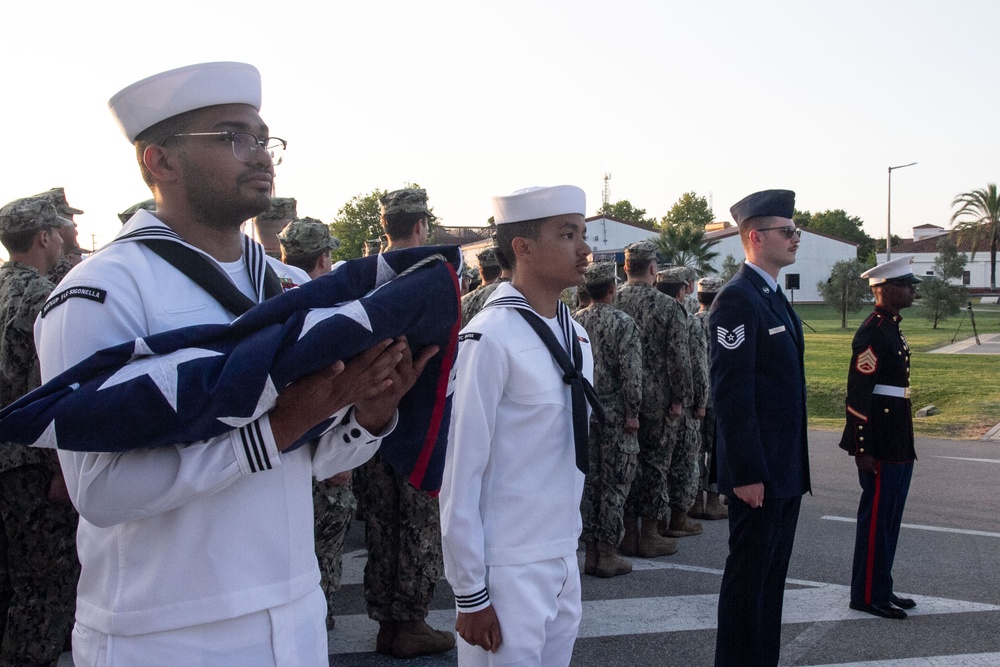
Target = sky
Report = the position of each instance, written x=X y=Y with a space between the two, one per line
x=472 y=99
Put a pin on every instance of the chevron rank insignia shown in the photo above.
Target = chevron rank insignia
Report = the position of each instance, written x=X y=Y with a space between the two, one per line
x=731 y=339
x=867 y=362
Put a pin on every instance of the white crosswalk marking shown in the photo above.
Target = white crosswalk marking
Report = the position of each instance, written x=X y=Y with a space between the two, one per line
x=809 y=602
x=968 y=660
x=916 y=526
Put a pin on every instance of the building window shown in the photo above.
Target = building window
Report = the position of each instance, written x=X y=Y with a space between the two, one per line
x=966 y=278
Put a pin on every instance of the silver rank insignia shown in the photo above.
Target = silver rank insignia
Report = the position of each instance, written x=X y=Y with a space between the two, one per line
x=731 y=339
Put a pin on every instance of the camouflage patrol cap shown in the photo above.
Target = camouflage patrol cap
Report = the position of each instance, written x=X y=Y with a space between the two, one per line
x=599 y=273
x=690 y=274
x=407 y=200
x=282 y=208
x=30 y=213
x=58 y=198
x=710 y=284
x=488 y=257
x=306 y=236
x=640 y=250
x=673 y=275
x=147 y=205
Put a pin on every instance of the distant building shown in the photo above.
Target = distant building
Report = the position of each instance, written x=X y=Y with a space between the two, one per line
x=813 y=262
x=607 y=238
x=923 y=247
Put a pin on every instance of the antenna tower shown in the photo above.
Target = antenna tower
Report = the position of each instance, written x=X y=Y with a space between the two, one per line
x=606 y=195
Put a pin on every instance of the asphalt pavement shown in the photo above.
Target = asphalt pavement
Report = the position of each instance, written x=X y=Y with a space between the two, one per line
x=663 y=614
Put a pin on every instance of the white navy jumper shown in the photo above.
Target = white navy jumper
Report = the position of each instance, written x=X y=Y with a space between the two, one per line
x=180 y=536
x=511 y=489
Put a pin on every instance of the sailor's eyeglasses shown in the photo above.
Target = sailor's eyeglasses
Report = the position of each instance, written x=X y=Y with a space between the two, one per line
x=246 y=144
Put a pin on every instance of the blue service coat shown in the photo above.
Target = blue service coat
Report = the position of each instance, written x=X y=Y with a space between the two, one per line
x=758 y=389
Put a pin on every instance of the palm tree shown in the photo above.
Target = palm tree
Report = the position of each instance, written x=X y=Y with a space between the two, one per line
x=685 y=245
x=981 y=209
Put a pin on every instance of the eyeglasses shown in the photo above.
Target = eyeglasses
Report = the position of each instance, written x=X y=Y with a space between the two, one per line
x=789 y=232
x=245 y=144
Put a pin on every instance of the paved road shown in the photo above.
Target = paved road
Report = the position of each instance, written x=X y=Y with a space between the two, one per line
x=663 y=614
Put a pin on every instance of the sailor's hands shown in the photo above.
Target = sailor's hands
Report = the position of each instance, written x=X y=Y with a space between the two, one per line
x=480 y=628
x=376 y=411
x=314 y=397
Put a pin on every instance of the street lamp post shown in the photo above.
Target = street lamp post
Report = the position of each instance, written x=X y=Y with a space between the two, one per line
x=888 y=215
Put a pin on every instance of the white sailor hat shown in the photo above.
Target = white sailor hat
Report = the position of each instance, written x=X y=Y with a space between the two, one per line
x=537 y=202
x=161 y=96
x=897 y=270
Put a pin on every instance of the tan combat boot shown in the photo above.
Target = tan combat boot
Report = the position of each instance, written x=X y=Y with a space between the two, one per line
x=630 y=542
x=414 y=638
x=697 y=510
x=714 y=509
x=386 y=635
x=609 y=563
x=591 y=558
x=680 y=526
x=652 y=544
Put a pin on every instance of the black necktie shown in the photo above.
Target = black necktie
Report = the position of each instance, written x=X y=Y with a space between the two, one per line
x=581 y=390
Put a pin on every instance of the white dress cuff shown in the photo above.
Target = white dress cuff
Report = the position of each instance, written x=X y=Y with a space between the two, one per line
x=255 y=448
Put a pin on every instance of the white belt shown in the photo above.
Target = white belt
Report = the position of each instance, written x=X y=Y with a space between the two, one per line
x=889 y=390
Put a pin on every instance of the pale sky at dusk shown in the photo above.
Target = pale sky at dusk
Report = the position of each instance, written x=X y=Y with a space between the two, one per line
x=472 y=99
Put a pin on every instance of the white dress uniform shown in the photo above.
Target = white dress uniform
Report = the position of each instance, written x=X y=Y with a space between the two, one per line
x=197 y=547
x=510 y=498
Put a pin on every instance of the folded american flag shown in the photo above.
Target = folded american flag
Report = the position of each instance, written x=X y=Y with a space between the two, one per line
x=198 y=382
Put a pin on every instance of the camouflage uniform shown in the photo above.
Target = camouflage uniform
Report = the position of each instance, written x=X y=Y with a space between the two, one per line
x=334 y=506
x=38 y=580
x=684 y=470
x=473 y=302
x=682 y=435
x=69 y=259
x=706 y=459
x=617 y=348
x=403 y=537
x=146 y=205
x=666 y=380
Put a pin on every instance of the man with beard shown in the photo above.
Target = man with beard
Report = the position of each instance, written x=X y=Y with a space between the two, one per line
x=203 y=553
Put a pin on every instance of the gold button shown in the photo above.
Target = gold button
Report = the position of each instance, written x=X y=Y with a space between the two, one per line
x=862 y=439
x=887 y=411
x=861 y=428
x=861 y=451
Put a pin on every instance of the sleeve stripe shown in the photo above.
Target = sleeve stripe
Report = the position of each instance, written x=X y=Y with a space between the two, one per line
x=254 y=448
x=472 y=600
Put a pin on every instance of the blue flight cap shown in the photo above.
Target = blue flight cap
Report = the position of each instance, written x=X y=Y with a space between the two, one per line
x=777 y=203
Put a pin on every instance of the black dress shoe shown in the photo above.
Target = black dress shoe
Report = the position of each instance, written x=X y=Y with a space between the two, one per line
x=902 y=603
x=878 y=610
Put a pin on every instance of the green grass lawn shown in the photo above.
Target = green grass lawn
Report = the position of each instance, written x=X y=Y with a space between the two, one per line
x=964 y=387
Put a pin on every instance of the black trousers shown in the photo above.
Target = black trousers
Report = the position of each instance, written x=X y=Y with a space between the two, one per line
x=753 y=586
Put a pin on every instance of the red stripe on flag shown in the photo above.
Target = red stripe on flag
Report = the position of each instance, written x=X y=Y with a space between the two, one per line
x=440 y=395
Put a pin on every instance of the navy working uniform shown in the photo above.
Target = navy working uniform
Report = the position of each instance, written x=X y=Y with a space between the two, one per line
x=879 y=423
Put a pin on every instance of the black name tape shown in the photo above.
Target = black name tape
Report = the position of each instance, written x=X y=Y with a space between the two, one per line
x=91 y=293
x=470 y=335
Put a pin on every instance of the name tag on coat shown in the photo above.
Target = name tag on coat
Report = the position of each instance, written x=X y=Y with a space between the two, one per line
x=776 y=330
